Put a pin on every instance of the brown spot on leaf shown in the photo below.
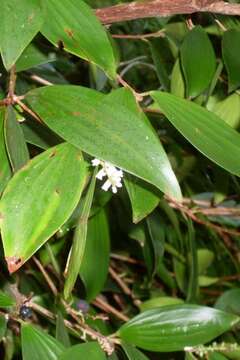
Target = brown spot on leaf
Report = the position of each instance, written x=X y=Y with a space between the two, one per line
x=76 y=113
x=31 y=17
x=53 y=154
x=57 y=191
x=69 y=32
x=13 y=263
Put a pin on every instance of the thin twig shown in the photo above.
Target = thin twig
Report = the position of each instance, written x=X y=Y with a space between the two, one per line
x=190 y=213
x=26 y=108
x=139 y=97
x=109 y=309
x=40 y=80
x=120 y=282
x=46 y=276
x=156 y=34
x=126 y=259
x=12 y=82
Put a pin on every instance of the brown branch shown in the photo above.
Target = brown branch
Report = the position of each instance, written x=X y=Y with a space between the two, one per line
x=109 y=309
x=163 y=8
x=46 y=276
x=219 y=229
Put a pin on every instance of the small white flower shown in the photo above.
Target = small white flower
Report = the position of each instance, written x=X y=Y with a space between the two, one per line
x=114 y=176
x=96 y=162
x=101 y=174
x=106 y=185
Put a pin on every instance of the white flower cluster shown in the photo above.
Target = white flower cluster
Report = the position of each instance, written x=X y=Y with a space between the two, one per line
x=114 y=176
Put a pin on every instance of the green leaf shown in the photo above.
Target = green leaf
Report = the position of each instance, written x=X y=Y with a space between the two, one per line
x=229 y=110
x=20 y=22
x=159 y=302
x=6 y=300
x=77 y=251
x=205 y=259
x=171 y=328
x=39 y=135
x=38 y=345
x=61 y=331
x=193 y=287
x=3 y=325
x=30 y=58
x=74 y=24
x=38 y=200
x=161 y=56
x=89 y=350
x=95 y=261
x=229 y=301
x=5 y=172
x=15 y=142
x=207 y=280
x=177 y=81
x=198 y=69
x=121 y=132
x=203 y=129
x=157 y=237
x=216 y=356
x=133 y=353
x=230 y=53
x=143 y=197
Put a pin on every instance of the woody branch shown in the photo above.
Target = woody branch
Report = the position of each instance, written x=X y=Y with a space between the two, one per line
x=163 y=8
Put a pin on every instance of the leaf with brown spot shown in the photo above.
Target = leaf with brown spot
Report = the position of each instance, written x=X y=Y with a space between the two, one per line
x=32 y=214
x=69 y=32
x=74 y=23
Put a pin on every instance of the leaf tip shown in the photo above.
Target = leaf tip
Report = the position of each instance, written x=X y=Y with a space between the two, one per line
x=13 y=263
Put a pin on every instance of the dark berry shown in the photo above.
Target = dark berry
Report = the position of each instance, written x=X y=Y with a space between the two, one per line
x=82 y=306
x=25 y=312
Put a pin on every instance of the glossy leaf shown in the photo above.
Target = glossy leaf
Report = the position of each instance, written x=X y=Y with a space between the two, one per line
x=45 y=194
x=230 y=52
x=143 y=197
x=74 y=24
x=15 y=142
x=30 y=58
x=6 y=300
x=89 y=350
x=122 y=134
x=77 y=251
x=20 y=22
x=174 y=327
x=94 y=265
x=203 y=129
x=198 y=69
x=38 y=345
x=133 y=353
x=5 y=172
